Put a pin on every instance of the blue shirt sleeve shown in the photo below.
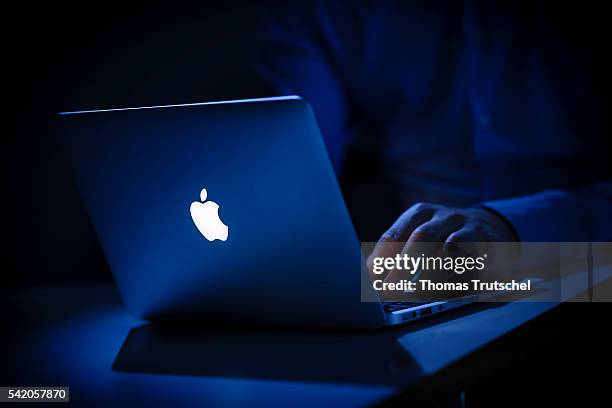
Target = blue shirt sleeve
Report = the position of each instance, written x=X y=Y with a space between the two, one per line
x=579 y=215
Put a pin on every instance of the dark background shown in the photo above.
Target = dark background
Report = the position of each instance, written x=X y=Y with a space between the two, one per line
x=70 y=56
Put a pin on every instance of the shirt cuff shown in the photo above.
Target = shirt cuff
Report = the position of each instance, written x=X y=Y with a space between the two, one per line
x=549 y=216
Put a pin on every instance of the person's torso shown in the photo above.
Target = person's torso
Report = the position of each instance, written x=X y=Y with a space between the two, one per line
x=470 y=101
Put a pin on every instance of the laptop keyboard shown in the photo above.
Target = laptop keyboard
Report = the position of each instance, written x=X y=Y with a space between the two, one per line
x=389 y=307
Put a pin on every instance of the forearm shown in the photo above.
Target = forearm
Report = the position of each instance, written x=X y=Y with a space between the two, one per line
x=582 y=214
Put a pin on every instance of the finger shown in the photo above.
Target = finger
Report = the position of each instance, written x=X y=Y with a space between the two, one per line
x=428 y=237
x=465 y=242
x=400 y=231
x=437 y=229
x=467 y=234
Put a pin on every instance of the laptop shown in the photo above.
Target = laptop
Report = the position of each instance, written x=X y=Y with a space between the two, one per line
x=225 y=212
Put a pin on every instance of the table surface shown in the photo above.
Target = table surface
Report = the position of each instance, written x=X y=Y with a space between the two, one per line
x=81 y=336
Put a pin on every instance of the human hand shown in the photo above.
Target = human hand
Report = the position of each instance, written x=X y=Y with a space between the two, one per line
x=447 y=225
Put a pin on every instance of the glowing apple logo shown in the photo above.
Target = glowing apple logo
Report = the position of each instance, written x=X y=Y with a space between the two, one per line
x=205 y=216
